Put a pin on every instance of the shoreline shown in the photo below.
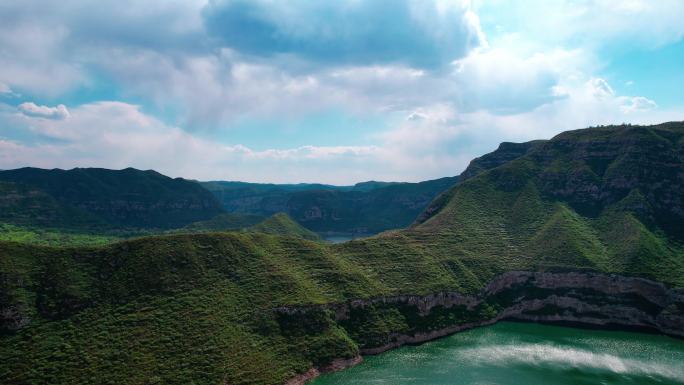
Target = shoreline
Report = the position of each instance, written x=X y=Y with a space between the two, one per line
x=583 y=300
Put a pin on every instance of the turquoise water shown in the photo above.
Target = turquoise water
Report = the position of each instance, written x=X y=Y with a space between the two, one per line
x=525 y=354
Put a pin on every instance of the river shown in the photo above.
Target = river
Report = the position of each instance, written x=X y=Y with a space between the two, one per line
x=511 y=353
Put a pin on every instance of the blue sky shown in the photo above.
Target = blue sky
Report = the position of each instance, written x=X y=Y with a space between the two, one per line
x=323 y=91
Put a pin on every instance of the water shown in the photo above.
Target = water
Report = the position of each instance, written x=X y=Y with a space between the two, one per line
x=341 y=237
x=338 y=238
x=525 y=354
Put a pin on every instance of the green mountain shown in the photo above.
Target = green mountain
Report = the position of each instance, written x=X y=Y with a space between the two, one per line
x=365 y=208
x=87 y=197
x=585 y=227
x=282 y=224
x=607 y=198
x=225 y=222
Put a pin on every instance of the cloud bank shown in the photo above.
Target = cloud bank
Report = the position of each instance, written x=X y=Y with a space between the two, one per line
x=166 y=84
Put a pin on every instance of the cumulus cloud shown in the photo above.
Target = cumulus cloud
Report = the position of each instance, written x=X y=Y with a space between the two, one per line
x=31 y=109
x=590 y=23
x=419 y=33
x=638 y=103
x=119 y=135
x=505 y=80
x=449 y=91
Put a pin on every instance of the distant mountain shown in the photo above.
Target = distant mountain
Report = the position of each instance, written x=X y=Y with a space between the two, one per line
x=98 y=199
x=95 y=196
x=26 y=205
x=365 y=208
x=583 y=228
x=227 y=221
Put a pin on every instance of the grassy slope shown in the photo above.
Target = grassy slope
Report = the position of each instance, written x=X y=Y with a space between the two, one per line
x=52 y=237
x=223 y=222
x=282 y=224
x=182 y=308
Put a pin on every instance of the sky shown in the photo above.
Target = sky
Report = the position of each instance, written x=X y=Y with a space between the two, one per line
x=334 y=92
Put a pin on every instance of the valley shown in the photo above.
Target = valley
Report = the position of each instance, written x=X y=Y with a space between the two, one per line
x=585 y=228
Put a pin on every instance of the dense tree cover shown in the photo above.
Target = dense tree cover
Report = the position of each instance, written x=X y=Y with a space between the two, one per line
x=198 y=308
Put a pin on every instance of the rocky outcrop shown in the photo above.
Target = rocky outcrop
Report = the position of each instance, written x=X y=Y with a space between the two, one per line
x=586 y=298
x=334 y=366
x=506 y=152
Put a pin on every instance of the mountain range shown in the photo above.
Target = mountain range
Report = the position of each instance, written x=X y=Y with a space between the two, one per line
x=365 y=208
x=585 y=227
x=106 y=201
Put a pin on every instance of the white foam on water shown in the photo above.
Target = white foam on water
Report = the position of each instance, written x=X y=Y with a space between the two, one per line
x=549 y=355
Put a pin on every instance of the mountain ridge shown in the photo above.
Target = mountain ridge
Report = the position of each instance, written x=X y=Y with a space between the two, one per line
x=127 y=197
x=516 y=240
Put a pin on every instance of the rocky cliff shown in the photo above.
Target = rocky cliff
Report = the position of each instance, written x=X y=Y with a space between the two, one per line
x=583 y=298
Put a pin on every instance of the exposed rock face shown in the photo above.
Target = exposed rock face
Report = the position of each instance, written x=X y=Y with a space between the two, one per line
x=506 y=152
x=334 y=366
x=580 y=297
x=605 y=168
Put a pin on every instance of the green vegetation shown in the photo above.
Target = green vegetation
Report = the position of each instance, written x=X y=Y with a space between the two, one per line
x=87 y=198
x=365 y=208
x=202 y=308
x=224 y=222
x=282 y=224
x=52 y=237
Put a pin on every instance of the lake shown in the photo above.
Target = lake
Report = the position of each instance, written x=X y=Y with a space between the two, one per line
x=511 y=353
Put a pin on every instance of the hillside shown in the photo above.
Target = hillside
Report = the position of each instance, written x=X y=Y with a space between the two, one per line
x=282 y=224
x=585 y=227
x=365 y=208
x=607 y=198
x=86 y=197
x=224 y=222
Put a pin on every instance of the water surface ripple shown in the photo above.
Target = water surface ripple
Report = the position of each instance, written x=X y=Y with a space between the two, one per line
x=525 y=354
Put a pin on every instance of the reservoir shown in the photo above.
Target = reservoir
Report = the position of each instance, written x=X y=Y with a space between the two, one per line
x=511 y=353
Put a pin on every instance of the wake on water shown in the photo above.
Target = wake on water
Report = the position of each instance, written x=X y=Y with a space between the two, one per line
x=554 y=357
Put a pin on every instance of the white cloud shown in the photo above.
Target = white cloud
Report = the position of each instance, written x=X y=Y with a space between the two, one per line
x=638 y=103
x=119 y=135
x=589 y=23
x=31 y=109
x=425 y=34
x=506 y=79
x=536 y=76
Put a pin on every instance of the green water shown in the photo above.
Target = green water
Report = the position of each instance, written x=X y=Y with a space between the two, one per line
x=525 y=354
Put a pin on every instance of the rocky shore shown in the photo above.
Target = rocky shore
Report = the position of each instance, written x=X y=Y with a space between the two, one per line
x=577 y=297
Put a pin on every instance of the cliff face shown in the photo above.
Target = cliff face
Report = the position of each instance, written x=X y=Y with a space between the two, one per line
x=383 y=323
x=592 y=172
x=506 y=152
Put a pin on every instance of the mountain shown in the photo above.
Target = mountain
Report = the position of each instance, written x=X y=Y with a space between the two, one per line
x=365 y=208
x=94 y=196
x=506 y=152
x=24 y=205
x=582 y=228
x=224 y=222
x=282 y=224
x=608 y=198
